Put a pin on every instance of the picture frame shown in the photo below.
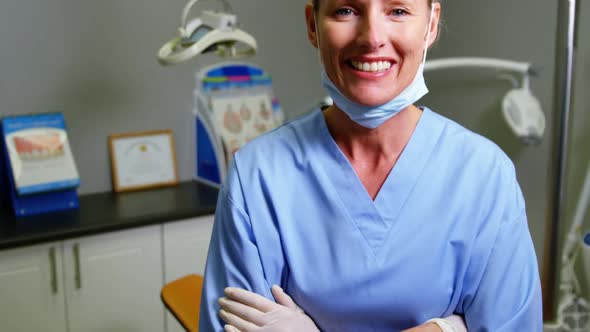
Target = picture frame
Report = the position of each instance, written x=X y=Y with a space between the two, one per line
x=143 y=160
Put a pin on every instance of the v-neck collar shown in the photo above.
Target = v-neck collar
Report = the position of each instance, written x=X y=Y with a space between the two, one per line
x=374 y=218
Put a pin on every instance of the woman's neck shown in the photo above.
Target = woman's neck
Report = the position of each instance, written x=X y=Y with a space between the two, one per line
x=372 y=145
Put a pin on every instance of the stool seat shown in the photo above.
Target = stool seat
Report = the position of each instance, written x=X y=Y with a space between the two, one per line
x=182 y=297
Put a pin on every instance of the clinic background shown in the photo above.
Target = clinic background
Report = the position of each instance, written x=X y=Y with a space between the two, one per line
x=95 y=61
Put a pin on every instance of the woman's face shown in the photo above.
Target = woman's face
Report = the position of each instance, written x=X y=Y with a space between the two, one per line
x=372 y=49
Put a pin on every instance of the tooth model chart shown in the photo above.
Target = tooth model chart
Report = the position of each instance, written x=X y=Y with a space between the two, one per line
x=41 y=169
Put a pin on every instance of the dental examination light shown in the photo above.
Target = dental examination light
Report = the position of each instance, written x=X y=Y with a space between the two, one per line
x=520 y=108
x=213 y=31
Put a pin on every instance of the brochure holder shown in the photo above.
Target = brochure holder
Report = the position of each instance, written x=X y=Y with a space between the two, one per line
x=234 y=103
x=4 y=196
x=37 y=170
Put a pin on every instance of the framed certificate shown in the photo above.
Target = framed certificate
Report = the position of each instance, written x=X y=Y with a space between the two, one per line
x=143 y=160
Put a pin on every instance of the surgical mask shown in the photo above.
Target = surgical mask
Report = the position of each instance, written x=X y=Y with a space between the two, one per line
x=373 y=116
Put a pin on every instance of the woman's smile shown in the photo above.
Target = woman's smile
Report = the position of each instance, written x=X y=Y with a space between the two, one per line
x=370 y=68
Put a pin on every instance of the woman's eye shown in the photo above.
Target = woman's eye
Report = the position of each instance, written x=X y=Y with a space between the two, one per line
x=344 y=12
x=399 y=12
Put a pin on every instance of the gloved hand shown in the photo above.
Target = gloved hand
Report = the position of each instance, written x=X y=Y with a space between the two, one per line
x=428 y=327
x=244 y=311
x=453 y=323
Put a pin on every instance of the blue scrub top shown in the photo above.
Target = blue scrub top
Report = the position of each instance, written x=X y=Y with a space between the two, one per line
x=447 y=232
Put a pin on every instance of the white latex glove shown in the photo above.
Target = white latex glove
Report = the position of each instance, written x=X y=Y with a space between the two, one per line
x=244 y=311
x=458 y=323
x=453 y=323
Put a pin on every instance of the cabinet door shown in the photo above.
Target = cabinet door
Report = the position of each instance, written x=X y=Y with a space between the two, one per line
x=185 y=251
x=113 y=281
x=31 y=289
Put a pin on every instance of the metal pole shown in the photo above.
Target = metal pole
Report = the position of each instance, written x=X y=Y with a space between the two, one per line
x=563 y=86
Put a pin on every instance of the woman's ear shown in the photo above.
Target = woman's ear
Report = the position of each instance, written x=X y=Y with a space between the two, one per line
x=433 y=28
x=311 y=25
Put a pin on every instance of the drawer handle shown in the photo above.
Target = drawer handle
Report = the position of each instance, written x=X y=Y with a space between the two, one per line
x=77 y=275
x=53 y=268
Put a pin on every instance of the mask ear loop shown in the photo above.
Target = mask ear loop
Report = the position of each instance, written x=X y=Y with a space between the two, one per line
x=427 y=35
x=317 y=34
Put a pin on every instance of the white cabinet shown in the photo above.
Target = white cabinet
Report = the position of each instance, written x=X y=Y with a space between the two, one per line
x=113 y=281
x=109 y=282
x=31 y=289
x=185 y=251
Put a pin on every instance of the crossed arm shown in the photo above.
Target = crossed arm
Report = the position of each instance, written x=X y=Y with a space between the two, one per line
x=245 y=311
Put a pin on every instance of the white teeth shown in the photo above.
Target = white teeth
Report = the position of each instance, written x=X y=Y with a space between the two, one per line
x=376 y=66
x=39 y=154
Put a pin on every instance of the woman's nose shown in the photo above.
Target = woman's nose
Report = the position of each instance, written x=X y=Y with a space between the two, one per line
x=371 y=33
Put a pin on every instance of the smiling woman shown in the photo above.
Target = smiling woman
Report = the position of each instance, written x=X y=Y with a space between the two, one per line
x=373 y=214
x=366 y=46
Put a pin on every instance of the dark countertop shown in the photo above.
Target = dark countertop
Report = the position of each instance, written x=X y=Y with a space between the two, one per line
x=103 y=212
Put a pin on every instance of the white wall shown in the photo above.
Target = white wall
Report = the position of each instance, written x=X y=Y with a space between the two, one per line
x=95 y=61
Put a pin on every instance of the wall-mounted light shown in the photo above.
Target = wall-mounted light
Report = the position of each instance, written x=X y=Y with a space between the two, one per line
x=520 y=108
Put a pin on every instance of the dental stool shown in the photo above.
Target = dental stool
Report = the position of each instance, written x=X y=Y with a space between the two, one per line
x=182 y=297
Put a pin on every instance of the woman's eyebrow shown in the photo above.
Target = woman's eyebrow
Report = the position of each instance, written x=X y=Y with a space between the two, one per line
x=402 y=2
